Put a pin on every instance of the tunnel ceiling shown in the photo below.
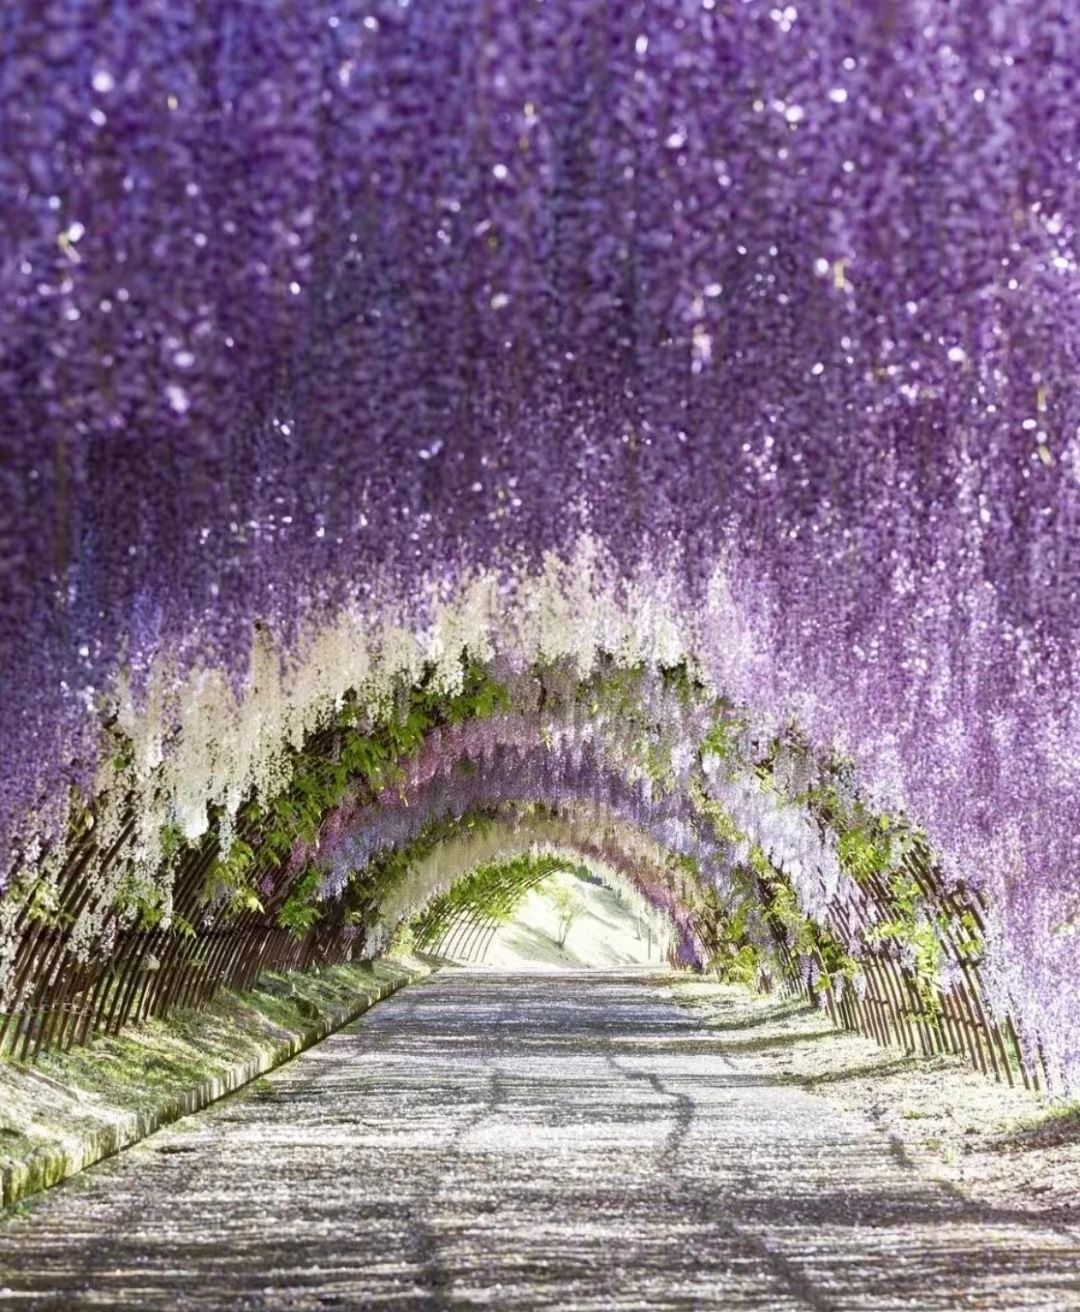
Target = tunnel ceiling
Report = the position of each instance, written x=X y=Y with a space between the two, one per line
x=647 y=428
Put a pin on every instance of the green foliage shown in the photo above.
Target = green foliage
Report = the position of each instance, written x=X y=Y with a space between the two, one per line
x=741 y=965
x=724 y=736
x=229 y=879
x=866 y=849
x=480 y=697
x=724 y=927
x=683 y=681
x=567 y=906
x=300 y=910
x=172 y=842
x=615 y=689
x=967 y=937
x=402 y=942
x=142 y=899
x=122 y=752
x=39 y=898
x=491 y=892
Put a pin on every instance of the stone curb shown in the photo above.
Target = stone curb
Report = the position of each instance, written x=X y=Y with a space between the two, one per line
x=51 y=1164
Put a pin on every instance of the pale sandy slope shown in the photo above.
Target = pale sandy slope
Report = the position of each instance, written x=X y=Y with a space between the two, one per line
x=606 y=931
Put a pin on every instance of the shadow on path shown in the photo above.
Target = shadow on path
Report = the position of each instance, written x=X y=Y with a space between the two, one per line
x=526 y=1141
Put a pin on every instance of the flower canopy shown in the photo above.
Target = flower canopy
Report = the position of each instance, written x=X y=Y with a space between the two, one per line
x=345 y=342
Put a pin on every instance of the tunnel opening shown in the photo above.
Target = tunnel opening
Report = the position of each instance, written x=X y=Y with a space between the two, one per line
x=550 y=910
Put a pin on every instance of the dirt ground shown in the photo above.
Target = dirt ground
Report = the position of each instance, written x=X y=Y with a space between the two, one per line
x=547 y=1141
x=1003 y=1146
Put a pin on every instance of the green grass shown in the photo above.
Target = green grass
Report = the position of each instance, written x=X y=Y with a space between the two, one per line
x=68 y=1109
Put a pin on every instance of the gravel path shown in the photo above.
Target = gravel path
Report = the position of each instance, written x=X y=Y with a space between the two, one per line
x=526 y=1141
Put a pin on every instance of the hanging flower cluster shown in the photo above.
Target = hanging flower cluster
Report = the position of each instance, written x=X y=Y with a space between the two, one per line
x=339 y=339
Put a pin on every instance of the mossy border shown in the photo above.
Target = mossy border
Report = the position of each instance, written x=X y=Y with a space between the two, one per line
x=52 y=1162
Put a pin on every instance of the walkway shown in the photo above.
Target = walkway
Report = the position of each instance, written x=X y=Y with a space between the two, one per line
x=524 y=1141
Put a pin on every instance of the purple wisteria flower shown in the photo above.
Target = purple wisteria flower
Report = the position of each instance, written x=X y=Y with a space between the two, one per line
x=338 y=337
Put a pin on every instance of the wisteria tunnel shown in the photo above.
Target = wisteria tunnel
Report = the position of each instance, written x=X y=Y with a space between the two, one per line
x=444 y=443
